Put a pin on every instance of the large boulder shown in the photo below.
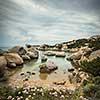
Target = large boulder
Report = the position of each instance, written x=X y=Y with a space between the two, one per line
x=94 y=55
x=48 y=67
x=79 y=54
x=3 y=64
x=60 y=54
x=32 y=53
x=18 y=49
x=13 y=59
x=75 y=56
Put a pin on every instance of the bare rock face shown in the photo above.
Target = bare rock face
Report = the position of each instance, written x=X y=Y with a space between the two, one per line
x=32 y=53
x=94 y=55
x=18 y=49
x=60 y=54
x=49 y=53
x=13 y=58
x=3 y=64
x=48 y=67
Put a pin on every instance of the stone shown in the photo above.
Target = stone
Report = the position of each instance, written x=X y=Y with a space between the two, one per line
x=71 y=69
x=22 y=74
x=43 y=59
x=26 y=57
x=49 y=53
x=48 y=68
x=13 y=58
x=94 y=55
x=60 y=82
x=11 y=65
x=60 y=54
x=3 y=64
x=18 y=49
x=32 y=55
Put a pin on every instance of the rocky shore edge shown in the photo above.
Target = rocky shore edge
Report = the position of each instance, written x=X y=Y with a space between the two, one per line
x=85 y=59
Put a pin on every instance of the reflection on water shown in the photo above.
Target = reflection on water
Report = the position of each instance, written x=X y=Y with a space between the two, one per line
x=43 y=76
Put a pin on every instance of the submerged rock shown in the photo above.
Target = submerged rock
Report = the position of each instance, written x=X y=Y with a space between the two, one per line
x=13 y=58
x=43 y=59
x=48 y=68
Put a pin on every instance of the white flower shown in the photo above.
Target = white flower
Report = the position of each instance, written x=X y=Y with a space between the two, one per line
x=29 y=96
x=32 y=90
x=18 y=98
x=13 y=99
x=9 y=97
x=62 y=96
x=33 y=93
x=26 y=98
x=42 y=94
x=19 y=92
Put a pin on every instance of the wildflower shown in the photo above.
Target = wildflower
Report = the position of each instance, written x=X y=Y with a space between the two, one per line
x=62 y=96
x=18 y=98
x=32 y=90
x=19 y=92
x=9 y=97
x=42 y=94
x=29 y=96
x=21 y=97
x=26 y=98
x=13 y=99
x=33 y=93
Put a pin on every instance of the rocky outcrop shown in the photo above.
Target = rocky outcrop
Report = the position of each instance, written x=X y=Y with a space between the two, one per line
x=79 y=54
x=48 y=67
x=13 y=59
x=94 y=55
x=3 y=64
x=60 y=54
x=18 y=49
x=32 y=53
x=49 y=53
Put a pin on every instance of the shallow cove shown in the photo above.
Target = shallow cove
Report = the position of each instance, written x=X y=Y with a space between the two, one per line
x=38 y=79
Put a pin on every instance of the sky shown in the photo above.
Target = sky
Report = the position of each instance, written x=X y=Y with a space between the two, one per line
x=47 y=21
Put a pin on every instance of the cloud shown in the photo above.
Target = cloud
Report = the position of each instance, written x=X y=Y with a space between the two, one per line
x=47 y=21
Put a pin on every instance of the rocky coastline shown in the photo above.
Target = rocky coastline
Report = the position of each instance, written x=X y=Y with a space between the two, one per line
x=85 y=52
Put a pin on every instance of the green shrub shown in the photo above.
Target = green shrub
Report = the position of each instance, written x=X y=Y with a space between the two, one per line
x=91 y=67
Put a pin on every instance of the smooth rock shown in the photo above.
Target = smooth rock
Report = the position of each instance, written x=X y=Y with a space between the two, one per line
x=13 y=58
x=26 y=57
x=48 y=68
x=18 y=49
x=60 y=54
x=49 y=53
x=43 y=59
x=3 y=64
x=71 y=69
